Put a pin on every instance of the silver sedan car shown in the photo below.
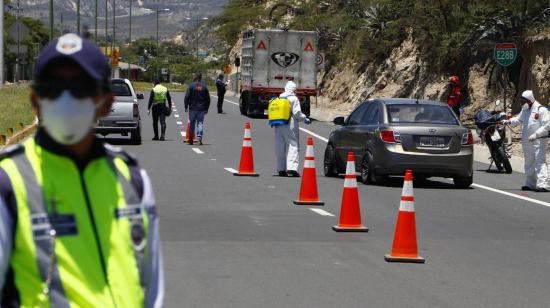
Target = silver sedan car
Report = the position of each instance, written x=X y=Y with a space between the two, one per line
x=389 y=135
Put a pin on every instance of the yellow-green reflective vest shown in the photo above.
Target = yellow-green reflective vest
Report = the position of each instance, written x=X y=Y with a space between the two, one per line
x=90 y=260
x=159 y=93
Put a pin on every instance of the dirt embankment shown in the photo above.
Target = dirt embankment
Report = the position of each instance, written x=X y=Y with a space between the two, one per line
x=405 y=74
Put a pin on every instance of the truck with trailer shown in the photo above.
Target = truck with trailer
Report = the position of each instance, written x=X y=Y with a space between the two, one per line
x=271 y=58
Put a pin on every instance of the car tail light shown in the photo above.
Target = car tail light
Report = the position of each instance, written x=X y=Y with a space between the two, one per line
x=390 y=136
x=136 y=111
x=467 y=138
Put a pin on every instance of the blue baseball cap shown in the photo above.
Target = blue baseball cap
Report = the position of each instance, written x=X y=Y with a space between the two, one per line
x=82 y=51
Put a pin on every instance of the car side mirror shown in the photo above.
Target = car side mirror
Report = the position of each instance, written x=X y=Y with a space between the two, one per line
x=139 y=96
x=339 y=121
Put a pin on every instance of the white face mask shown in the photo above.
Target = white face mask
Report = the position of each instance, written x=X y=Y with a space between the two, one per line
x=68 y=119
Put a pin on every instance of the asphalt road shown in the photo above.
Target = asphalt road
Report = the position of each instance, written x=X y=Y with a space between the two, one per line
x=239 y=242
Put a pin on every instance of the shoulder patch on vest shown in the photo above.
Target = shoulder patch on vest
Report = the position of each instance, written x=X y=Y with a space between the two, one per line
x=11 y=151
x=129 y=158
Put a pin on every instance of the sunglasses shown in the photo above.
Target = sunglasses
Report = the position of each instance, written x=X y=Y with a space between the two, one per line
x=80 y=88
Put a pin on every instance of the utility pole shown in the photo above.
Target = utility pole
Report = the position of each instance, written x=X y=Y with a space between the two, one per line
x=130 y=42
x=114 y=25
x=96 y=12
x=78 y=17
x=18 y=57
x=51 y=20
x=106 y=25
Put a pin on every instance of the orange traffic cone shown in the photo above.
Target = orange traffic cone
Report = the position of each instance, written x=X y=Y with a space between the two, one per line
x=350 y=213
x=246 y=166
x=308 y=190
x=404 y=248
x=187 y=132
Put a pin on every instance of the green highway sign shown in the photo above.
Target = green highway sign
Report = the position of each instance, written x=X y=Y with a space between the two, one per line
x=505 y=53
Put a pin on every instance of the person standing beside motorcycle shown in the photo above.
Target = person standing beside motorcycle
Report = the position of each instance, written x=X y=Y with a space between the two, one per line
x=535 y=121
x=455 y=95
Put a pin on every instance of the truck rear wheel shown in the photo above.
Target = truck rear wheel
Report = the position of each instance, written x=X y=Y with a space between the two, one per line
x=242 y=105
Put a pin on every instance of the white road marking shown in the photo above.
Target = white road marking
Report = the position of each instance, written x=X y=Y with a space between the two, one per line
x=177 y=115
x=314 y=134
x=512 y=195
x=322 y=212
x=179 y=122
x=197 y=150
x=212 y=159
x=231 y=170
x=182 y=134
x=237 y=104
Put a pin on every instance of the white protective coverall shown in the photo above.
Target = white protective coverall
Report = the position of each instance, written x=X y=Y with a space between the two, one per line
x=287 y=135
x=535 y=122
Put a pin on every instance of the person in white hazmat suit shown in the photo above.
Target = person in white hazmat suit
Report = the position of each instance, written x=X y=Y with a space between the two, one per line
x=287 y=135
x=535 y=125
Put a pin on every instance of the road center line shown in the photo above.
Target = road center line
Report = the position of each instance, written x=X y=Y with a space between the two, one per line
x=231 y=170
x=177 y=115
x=322 y=212
x=182 y=134
x=314 y=134
x=498 y=191
x=179 y=122
x=197 y=150
x=225 y=100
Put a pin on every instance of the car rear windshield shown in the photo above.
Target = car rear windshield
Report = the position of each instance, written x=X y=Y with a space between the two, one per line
x=121 y=89
x=418 y=113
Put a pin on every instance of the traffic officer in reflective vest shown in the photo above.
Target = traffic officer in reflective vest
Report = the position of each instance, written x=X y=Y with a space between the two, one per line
x=157 y=101
x=77 y=217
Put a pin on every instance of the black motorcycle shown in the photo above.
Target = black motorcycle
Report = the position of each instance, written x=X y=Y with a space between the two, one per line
x=493 y=134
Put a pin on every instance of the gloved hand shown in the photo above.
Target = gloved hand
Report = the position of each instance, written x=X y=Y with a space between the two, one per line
x=307 y=121
x=533 y=137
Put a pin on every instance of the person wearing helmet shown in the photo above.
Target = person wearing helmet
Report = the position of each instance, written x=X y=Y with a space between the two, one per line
x=455 y=95
x=535 y=124
x=287 y=134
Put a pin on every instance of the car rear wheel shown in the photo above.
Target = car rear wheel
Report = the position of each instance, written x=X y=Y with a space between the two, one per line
x=366 y=172
x=135 y=136
x=463 y=182
x=368 y=176
x=329 y=164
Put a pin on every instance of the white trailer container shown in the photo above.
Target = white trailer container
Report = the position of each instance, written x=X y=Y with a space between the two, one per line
x=270 y=58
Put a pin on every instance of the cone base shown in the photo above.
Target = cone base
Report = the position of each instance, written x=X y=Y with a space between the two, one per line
x=298 y=202
x=350 y=229
x=246 y=174
x=390 y=258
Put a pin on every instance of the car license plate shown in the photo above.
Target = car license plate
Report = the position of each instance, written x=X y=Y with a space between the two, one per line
x=432 y=142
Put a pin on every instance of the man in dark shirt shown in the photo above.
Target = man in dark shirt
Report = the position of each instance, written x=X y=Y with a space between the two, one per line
x=197 y=102
x=221 y=86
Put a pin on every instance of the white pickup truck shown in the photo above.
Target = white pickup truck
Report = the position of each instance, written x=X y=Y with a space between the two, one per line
x=270 y=58
x=124 y=118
